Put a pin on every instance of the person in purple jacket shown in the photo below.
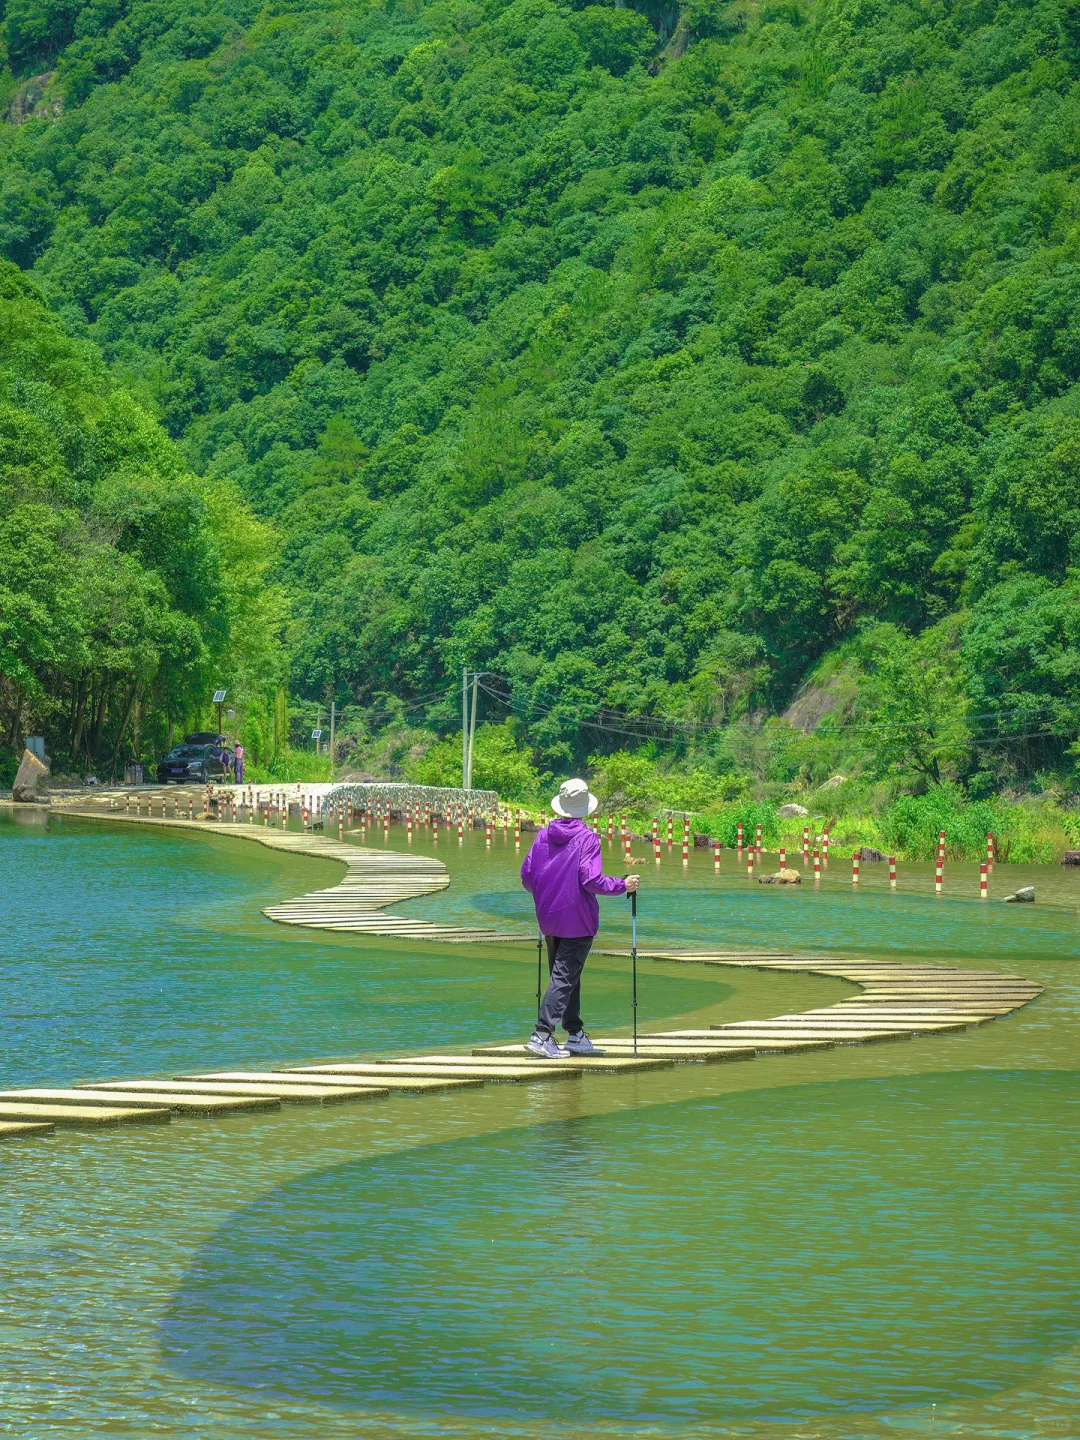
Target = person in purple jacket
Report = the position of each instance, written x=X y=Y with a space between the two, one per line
x=562 y=872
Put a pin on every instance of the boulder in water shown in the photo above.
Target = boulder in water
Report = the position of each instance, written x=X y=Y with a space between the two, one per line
x=782 y=877
x=30 y=781
x=1024 y=896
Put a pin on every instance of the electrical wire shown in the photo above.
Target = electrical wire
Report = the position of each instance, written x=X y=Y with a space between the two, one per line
x=848 y=727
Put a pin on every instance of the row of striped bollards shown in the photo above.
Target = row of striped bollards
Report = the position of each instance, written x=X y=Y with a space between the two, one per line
x=625 y=837
x=342 y=812
x=380 y=816
x=176 y=810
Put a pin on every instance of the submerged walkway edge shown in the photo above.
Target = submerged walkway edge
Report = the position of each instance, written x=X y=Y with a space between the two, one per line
x=897 y=1002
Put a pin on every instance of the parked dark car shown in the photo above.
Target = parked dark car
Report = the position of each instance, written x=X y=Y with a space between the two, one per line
x=200 y=758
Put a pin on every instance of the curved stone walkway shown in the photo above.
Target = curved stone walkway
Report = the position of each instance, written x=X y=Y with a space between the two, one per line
x=898 y=1001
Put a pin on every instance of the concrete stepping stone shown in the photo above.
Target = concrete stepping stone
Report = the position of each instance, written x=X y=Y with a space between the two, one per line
x=477 y=1073
x=288 y=1094
x=603 y=1063
x=14 y=1129
x=72 y=1116
x=195 y=1104
x=356 y=1077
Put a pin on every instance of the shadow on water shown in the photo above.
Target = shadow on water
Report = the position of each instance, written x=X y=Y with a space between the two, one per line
x=825 y=1249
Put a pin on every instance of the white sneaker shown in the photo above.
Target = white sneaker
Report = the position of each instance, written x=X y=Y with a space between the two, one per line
x=580 y=1044
x=546 y=1046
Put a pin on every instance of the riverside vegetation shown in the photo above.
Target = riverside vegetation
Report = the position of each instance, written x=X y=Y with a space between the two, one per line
x=707 y=376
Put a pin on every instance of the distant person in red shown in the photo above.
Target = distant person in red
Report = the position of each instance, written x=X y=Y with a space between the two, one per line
x=238 y=765
x=563 y=874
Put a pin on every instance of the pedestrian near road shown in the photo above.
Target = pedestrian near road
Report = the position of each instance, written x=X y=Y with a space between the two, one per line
x=563 y=874
x=238 y=765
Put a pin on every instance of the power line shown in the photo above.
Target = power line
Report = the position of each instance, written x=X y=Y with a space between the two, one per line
x=514 y=704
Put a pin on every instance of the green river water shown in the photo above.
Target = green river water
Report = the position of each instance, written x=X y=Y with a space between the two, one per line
x=866 y=1241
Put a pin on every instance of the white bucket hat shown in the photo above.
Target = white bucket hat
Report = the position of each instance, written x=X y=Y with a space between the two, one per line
x=575 y=800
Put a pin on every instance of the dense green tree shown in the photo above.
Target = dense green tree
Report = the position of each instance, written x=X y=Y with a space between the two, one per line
x=640 y=357
x=128 y=585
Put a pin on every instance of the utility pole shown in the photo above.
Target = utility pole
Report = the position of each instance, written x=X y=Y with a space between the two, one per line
x=333 y=709
x=464 y=727
x=472 y=727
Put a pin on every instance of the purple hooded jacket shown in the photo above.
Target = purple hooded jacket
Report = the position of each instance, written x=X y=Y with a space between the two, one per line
x=562 y=872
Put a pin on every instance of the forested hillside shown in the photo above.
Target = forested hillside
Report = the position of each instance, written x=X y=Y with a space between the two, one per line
x=652 y=362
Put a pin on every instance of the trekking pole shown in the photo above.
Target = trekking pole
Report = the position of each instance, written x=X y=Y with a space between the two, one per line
x=633 y=959
x=539 y=968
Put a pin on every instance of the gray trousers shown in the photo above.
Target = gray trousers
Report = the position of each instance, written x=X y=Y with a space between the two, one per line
x=566 y=960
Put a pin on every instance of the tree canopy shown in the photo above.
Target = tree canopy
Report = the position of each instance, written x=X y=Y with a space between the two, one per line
x=127 y=584
x=644 y=358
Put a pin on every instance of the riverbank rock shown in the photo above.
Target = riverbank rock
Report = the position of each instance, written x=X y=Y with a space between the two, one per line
x=869 y=853
x=30 y=781
x=1071 y=857
x=792 y=812
x=1024 y=896
x=703 y=842
x=782 y=877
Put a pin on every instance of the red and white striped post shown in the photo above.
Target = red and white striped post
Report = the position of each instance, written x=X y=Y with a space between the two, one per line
x=517 y=830
x=757 y=842
x=127 y=805
x=738 y=837
x=655 y=833
x=750 y=863
x=434 y=829
x=855 y=868
x=817 y=863
x=939 y=868
x=656 y=848
x=941 y=846
x=386 y=822
x=686 y=847
x=989 y=848
x=825 y=846
x=610 y=827
x=622 y=829
x=626 y=849
x=487 y=832
x=892 y=872
x=982 y=881
x=716 y=854
x=340 y=821
x=670 y=830
x=806 y=842
x=783 y=858
x=460 y=829
x=409 y=825
x=191 y=808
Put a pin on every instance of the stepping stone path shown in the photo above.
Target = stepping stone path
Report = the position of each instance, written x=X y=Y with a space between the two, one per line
x=898 y=1002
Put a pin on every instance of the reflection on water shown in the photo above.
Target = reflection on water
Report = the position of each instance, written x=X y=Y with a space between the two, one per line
x=775 y=1254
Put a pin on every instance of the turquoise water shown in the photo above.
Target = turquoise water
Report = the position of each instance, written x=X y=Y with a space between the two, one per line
x=435 y=1270
x=840 y=1244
